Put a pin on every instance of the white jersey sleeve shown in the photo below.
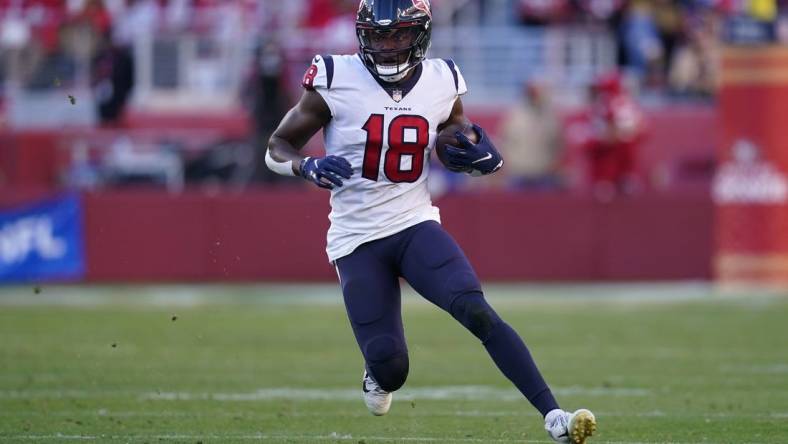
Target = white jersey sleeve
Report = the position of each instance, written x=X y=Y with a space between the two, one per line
x=320 y=77
x=459 y=80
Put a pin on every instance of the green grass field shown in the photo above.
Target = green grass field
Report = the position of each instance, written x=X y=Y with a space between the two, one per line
x=225 y=364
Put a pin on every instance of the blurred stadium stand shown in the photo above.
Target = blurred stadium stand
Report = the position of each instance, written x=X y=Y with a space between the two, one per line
x=173 y=100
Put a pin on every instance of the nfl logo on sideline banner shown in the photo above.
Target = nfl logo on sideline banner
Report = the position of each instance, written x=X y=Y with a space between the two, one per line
x=42 y=242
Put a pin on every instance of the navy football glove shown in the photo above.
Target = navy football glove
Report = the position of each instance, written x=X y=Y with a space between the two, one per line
x=326 y=172
x=469 y=157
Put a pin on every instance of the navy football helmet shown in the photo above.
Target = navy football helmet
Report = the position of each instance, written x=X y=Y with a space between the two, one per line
x=394 y=35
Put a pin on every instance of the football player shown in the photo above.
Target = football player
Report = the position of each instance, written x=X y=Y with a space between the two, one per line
x=380 y=111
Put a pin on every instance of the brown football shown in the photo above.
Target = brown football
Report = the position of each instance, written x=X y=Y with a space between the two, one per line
x=447 y=137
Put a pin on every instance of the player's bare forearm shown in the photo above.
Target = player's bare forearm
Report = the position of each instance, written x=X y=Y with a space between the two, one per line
x=457 y=117
x=282 y=151
x=298 y=126
x=474 y=152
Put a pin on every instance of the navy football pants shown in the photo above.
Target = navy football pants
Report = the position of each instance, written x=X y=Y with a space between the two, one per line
x=434 y=265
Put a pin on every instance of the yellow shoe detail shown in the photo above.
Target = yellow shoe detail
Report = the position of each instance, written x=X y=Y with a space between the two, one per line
x=582 y=424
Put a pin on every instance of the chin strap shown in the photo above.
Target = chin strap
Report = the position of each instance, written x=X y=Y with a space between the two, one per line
x=395 y=77
x=389 y=78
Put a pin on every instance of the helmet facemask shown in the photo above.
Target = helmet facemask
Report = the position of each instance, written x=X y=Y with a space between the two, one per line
x=391 y=52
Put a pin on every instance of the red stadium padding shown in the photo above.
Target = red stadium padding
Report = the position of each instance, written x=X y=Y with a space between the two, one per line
x=29 y=159
x=558 y=237
x=148 y=236
x=751 y=188
x=681 y=141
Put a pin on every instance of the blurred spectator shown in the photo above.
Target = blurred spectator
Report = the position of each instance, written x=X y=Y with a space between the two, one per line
x=113 y=80
x=322 y=12
x=190 y=53
x=694 y=66
x=782 y=25
x=96 y=16
x=670 y=26
x=752 y=22
x=615 y=130
x=30 y=37
x=543 y=12
x=137 y=19
x=59 y=64
x=763 y=10
x=112 y=66
x=531 y=142
x=19 y=53
x=269 y=102
x=603 y=10
x=334 y=22
x=643 y=50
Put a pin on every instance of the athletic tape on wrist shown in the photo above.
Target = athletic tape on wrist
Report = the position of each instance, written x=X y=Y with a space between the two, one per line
x=283 y=168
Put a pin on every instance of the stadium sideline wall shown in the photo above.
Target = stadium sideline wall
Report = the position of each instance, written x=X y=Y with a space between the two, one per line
x=279 y=235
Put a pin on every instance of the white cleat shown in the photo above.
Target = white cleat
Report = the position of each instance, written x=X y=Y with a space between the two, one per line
x=557 y=425
x=570 y=428
x=378 y=401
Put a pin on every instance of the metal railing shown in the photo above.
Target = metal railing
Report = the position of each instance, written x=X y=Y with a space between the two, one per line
x=496 y=61
x=189 y=71
x=194 y=72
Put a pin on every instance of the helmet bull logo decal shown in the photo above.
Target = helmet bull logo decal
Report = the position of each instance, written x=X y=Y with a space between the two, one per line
x=423 y=5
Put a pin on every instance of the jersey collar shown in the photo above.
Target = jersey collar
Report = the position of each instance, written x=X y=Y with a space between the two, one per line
x=396 y=90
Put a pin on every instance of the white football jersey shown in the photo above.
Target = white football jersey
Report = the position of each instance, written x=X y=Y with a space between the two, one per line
x=387 y=137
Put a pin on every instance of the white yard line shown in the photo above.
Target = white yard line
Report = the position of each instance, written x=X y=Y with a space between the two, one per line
x=470 y=392
x=263 y=437
x=309 y=438
x=183 y=296
x=630 y=414
x=360 y=413
x=65 y=394
x=768 y=369
x=186 y=296
x=462 y=392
